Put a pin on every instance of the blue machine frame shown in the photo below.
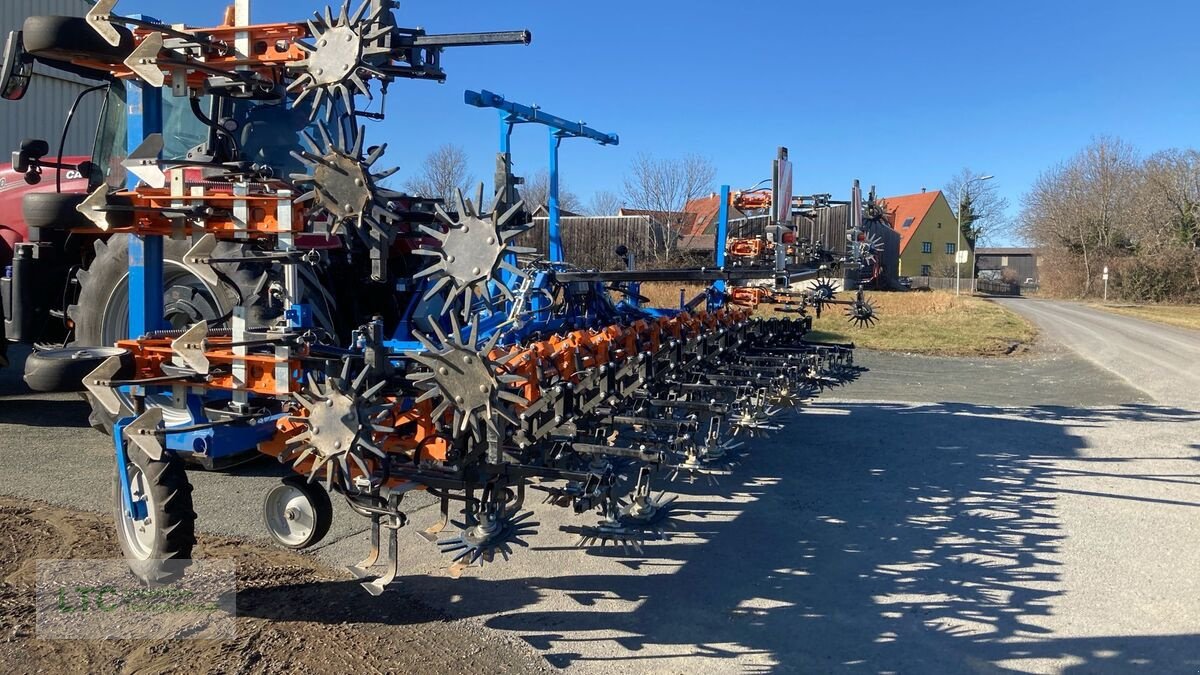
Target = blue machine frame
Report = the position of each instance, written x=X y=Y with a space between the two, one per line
x=512 y=114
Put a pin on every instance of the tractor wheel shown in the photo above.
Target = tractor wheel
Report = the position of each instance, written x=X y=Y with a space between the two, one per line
x=159 y=547
x=64 y=369
x=53 y=210
x=101 y=315
x=297 y=513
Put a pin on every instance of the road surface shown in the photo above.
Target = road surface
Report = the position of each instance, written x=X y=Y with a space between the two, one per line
x=1034 y=514
x=1162 y=361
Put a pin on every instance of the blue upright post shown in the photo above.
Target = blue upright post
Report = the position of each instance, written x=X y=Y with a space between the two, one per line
x=722 y=233
x=552 y=226
x=560 y=128
x=145 y=252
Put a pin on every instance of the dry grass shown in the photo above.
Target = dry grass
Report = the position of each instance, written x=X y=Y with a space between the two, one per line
x=936 y=323
x=1182 y=316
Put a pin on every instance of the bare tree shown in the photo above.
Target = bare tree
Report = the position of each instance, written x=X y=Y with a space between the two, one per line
x=605 y=203
x=663 y=187
x=984 y=209
x=1085 y=212
x=444 y=171
x=536 y=192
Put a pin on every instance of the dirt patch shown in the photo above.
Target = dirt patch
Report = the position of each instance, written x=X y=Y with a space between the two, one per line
x=294 y=615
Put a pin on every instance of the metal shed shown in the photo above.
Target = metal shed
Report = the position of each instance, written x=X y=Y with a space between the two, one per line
x=44 y=109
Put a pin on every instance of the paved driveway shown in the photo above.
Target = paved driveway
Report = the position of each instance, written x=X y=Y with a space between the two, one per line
x=1037 y=514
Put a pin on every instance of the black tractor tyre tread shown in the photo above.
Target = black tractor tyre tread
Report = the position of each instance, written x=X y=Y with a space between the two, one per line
x=56 y=370
x=53 y=210
x=110 y=267
x=61 y=38
x=171 y=490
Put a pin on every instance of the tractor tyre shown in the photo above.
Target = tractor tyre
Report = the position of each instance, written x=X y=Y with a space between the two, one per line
x=53 y=210
x=50 y=370
x=64 y=38
x=159 y=548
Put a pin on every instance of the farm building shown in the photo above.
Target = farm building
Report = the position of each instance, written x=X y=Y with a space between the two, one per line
x=1020 y=264
x=928 y=231
x=43 y=111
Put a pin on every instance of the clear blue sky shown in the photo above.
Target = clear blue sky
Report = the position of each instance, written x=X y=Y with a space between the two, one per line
x=898 y=94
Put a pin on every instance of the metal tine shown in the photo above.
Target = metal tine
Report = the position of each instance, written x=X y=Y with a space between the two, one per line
x=461 y=204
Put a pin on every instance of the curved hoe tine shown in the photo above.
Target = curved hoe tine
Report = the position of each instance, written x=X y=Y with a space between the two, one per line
x=97 y=381
x=142 y=432
x=98 y=18
x=360 y=570
x=455 y=328
x=479 y=199
x=377 y=586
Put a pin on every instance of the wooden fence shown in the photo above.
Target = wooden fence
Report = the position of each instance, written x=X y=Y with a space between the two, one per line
x=968 y=285
x=589 y=242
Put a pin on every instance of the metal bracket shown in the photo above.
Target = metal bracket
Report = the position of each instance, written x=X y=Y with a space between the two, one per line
x=143 y=60
x=200 y=255
x=99 y=18
x=143 y=432
x=143 y=162
x=189 y=348
x=93 y=208
x=98 y=382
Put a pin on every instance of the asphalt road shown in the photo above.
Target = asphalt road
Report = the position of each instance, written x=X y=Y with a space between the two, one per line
x=1162 y=361
x=1034 y=514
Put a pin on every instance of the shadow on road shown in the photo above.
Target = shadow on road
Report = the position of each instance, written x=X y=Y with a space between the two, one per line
x=927 y=541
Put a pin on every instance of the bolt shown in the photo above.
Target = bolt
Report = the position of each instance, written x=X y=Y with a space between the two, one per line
x=329 y=403
x=321 y=43
x=483 y=388
x=491 y=240
x=443 y=370
x=337 y=445
x=474 y=270
x=318 y=71
x=458 y=399
x=467 y=359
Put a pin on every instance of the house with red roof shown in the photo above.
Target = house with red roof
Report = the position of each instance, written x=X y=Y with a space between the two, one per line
x=928 y=231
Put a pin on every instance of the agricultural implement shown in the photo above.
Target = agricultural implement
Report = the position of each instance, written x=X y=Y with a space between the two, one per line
x=391 y=342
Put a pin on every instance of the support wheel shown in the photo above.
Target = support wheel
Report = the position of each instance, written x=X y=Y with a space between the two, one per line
x=158 y=547
x=297 y=513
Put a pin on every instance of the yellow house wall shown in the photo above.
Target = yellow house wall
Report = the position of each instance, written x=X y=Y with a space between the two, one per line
x=939 y=228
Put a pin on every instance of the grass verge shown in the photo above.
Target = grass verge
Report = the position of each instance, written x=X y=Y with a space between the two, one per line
x=937 y=323
x=1181 y=316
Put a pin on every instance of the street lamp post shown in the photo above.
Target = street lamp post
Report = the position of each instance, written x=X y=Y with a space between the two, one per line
x=962 y=198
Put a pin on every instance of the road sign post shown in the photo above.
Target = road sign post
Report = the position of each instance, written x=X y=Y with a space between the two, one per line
x=1106 y=283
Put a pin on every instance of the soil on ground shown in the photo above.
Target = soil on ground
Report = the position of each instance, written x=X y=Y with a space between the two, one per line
x=294 y=615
